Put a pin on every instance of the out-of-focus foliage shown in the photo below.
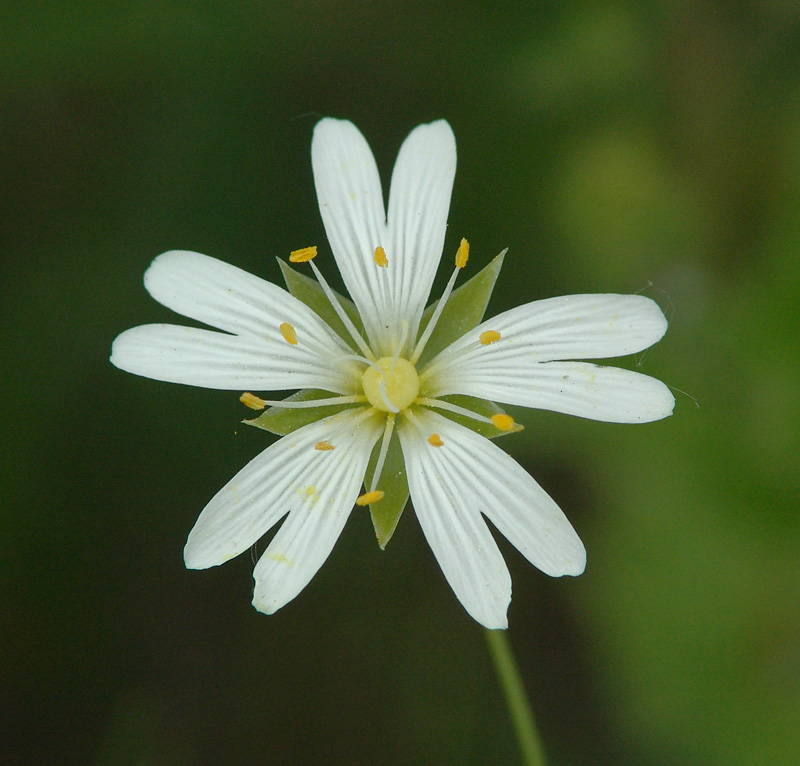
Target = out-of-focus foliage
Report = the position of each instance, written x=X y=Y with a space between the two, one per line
x=612 y=146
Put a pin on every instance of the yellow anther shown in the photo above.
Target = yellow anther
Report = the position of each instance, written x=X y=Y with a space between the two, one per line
x=435 y=440
x=323 y=446
x=503 y=422
x=488 y=337
x=303 y=254
x=288 y=333
x=462 y=254
x=370 y=497
x=252 y=401
x=380 y=257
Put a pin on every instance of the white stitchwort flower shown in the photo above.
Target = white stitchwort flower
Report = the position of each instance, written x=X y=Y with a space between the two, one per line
x=393 y=396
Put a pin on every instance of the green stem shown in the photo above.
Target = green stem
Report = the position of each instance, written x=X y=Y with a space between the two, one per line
x=519 y=708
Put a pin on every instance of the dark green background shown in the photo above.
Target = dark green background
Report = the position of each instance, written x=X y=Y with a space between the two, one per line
x=614 y=146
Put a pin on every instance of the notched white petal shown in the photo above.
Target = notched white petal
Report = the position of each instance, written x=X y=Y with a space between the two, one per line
x=563 y=328
x=210 y=359
x=587 y=390
x=489 y=481
x=306 y=538
x=419 y=202
x=409 y=243
x=290 y=476
x=523 y=357
x=351 y=205
x=453 y=526
x=230 y=299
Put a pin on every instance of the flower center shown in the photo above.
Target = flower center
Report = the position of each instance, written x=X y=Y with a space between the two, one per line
x=390 y=384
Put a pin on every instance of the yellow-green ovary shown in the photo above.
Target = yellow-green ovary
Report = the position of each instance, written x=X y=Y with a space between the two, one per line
x=400 y=379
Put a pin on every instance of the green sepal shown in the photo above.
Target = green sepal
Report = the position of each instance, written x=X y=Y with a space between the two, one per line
x=283 y=420
x=310 y=292
x=464 y=310
x=387 y=511
x=481 y=407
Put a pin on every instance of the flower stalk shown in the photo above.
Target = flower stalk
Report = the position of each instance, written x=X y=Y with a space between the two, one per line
x=519 y=708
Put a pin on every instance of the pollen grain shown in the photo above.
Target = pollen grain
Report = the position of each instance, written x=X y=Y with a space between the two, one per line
x=380 y=257
x=435 y=440
x=370 y=497
x=503 y=422
x=303 y=254
x=288 y=333
x=252 y=401
x=462 y=254
x=323 y=446
x=489 y=337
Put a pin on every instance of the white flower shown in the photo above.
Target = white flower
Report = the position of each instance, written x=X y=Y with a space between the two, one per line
x=381 y=384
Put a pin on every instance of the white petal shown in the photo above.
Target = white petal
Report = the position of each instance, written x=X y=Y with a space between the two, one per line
x=486 y=480
x=306 y=538
x=494 y=483
x=574 y=388
x=567 y=327
x=455 y=530
x=289 y=476
x=225 y=297
x=209 y=359
x=351 y=204
x=419 y=202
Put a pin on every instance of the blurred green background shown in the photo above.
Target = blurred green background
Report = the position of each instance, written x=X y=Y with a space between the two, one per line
x=612 y=146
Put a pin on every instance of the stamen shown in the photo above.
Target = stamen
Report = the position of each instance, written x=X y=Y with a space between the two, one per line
x=369 y=497
x=462 y=254
x=387 y=435
x=355 y=399
x=401 y=344
x=380 y=257
x=303 y=254
x=503 y=422
x=324 y=446
x=461 y=260
x=288 y=333
x=435 y=440
x=498 y=421
x=252 y=401
x=450 y=407
x=341 y=313
x=489 y=337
